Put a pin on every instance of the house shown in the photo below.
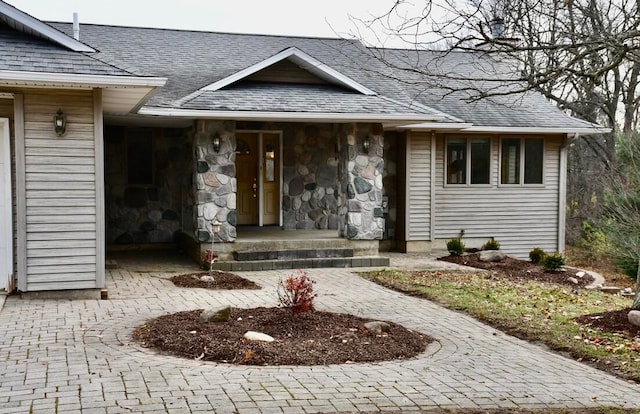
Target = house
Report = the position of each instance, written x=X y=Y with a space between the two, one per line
x=134 y=136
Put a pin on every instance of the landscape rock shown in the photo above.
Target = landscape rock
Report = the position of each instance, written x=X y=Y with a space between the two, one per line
x=377 y=327
x=258 y=336
x=634 y=317
x=207 y=278
x=573 y=280
x=216 y=315
x=580 y=274
x=491 y=256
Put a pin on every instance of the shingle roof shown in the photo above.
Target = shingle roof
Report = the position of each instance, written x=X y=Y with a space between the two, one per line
x=192 y=60
x=258 y=96
x=20 y=52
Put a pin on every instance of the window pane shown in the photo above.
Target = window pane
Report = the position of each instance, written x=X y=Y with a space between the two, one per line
x=456 y=161
x=533 y=165
x=510 y=163
x=480 y=161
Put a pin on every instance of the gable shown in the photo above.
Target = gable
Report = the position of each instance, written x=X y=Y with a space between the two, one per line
x=305 y=62
x=286 y=71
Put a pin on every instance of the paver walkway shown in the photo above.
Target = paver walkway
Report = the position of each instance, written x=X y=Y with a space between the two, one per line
x=71 y=356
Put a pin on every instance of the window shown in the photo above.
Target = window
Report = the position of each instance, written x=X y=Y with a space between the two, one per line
x=473 y=169
x=516 y=150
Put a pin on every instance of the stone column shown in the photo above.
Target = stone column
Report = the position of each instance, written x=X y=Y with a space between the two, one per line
x=215 y=180
x=365 y=167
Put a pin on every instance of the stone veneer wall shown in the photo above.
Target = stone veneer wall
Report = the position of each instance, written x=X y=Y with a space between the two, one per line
x=215 y=181
x=310 y=178
x=363 y=182
x=152 y=212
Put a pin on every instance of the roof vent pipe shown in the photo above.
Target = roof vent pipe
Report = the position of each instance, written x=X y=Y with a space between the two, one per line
x=76 y=26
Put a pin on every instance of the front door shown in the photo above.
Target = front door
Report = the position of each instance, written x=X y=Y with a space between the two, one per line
x=6 y=217
x=258 y=173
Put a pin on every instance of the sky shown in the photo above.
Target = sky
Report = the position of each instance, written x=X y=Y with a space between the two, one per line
x=325 y=18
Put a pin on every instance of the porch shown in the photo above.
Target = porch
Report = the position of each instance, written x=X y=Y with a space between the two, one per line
x=263 y=248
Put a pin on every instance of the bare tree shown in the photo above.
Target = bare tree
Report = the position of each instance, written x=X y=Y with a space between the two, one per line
x=583 y=55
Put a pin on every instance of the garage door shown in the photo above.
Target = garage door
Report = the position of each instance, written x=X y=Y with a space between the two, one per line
x=6 y=234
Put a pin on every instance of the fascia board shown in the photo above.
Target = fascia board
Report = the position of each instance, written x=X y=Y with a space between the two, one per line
x=506 y=130
x=288 y=116
x=77 y=80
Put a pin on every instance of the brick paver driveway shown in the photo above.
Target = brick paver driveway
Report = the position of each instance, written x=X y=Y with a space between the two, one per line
x=72 y=356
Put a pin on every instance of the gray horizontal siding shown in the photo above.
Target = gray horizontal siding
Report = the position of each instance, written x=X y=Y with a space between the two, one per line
x=61 y=199
x=519 y=217
x=419 y=186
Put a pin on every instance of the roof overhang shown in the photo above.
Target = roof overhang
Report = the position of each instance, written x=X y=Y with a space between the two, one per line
x=120 y=93
x=464 y=127
x=22 y=22
x=333 y=117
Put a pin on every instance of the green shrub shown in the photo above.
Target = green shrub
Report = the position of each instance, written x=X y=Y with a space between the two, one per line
x=491 y=245
x=553 y=261
x=455 y=246
x=536 y=255
x=628 y=267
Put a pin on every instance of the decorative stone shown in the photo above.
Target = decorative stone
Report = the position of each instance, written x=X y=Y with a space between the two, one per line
x=202 y=167
x=377 y=327
x=216 y=315
x=207 y=279
x=580 y=274
x=351 y=192
x=203 y=236
x=155 y=215
x=232 y=218
x=228 y=169
x=361 y=185
x=326 y=176
x=377 y=212
x=573 y=280
x=310 y=186
x=296 y=187
x=211 y=180
x=634 y=317
x=491 y=256
x=147 y=226
x=257 y=337
x=352 y=232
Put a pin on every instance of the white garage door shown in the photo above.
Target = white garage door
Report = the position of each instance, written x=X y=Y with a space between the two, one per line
x=6 y=235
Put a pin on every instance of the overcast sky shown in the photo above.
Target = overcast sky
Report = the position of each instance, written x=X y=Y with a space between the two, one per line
x=325 y=18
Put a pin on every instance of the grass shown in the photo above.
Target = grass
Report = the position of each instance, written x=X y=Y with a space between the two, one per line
x=535 y=311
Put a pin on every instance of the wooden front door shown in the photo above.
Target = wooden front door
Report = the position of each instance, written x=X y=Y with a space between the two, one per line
x=258 y=173
x=6 y=217
x=247 y=172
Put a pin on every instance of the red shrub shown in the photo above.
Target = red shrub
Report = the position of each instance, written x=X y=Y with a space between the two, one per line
x=296 y=293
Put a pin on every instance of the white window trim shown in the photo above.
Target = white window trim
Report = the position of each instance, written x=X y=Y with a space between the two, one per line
x=467 y=182
x=522 y=163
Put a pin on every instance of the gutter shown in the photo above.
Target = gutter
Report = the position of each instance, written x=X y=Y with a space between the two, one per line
x=48 y=79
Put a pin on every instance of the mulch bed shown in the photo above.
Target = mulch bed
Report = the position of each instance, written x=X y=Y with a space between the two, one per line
x=311 y=338
x=521 y=270
x=222 y=280
x=613 y=321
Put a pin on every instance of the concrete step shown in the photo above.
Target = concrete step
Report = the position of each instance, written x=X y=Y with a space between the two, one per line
x=244 y=256
x=258 y=265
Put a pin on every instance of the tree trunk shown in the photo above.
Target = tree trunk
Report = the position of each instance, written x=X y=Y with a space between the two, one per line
x=636 y=298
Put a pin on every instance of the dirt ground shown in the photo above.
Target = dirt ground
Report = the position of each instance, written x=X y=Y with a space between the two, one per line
x=311 y=338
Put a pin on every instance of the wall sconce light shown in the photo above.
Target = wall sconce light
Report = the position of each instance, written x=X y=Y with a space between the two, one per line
x=60 y=123
x=216 y=143
x=365 y=144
